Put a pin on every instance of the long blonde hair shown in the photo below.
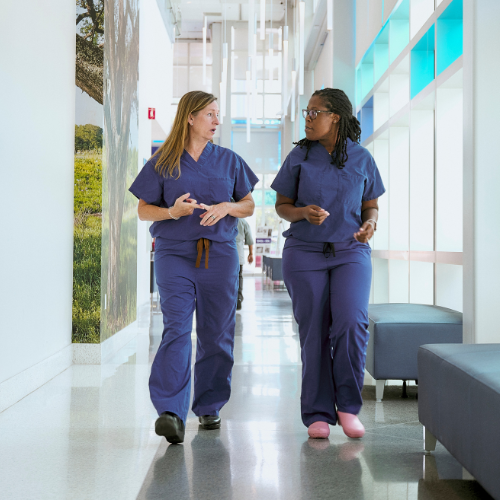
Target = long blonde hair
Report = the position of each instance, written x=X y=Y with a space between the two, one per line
x=171 y=150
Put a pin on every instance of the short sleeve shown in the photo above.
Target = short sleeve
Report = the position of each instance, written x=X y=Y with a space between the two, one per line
x=248 y=234
x=147 y=185
x=244 y=181
x=286 y=181
x=374 y=187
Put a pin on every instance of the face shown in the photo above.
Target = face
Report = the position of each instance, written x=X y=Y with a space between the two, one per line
x=323 y=126
x=204 y=123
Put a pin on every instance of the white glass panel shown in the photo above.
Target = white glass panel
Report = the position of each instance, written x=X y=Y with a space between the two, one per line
x=262 y=153
x=181 y=51
x=381 y=156
x=422 y=181
x=449 y=170
x=180 y=81
x=238 y=106
x=421 y=283
x=449 y=286
x=240 y=67
x=399 y=86
x=196 y=78
x=420 y=11
x=398 y=281
x=380 y=109
x=272 y=106
x=399 y=153
x=380 y=281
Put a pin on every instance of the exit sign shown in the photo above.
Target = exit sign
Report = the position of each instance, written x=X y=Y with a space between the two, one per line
x=151 y=113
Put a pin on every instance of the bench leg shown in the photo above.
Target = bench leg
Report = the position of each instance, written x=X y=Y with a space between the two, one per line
x=405 y=394
x=379 y=391
x=429 y=442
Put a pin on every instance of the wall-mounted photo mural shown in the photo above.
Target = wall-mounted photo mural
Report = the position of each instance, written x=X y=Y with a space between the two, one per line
x=106 y=138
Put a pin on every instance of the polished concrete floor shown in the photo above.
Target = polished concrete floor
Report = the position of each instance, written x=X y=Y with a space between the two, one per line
x=89 y=433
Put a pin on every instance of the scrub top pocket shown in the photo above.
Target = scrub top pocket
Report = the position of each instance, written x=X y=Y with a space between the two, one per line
x=352 y=188
x=310 y=188
x=221 y=189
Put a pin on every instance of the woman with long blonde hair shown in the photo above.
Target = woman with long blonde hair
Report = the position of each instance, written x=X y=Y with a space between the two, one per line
x=186 y=189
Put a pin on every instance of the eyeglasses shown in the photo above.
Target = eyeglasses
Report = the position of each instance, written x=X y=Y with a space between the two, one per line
x=313 y=113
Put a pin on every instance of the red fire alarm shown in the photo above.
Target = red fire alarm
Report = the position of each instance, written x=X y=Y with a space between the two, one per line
x=151 y=113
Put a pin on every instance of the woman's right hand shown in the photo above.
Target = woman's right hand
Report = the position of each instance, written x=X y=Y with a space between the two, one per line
x=183 y=206
x=315 y=215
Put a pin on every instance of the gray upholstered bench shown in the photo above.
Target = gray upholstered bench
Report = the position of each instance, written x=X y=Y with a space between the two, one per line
x=396 y=333
x=459 y=404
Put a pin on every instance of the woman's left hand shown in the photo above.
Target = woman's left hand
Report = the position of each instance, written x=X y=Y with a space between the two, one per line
x=365 y=233
x=213 y=214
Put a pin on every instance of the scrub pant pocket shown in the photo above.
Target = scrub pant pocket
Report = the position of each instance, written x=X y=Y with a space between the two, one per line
x=212 y=293
x=330 y=303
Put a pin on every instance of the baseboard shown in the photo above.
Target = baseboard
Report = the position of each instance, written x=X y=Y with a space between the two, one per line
x=96 y=354
x=19 y=386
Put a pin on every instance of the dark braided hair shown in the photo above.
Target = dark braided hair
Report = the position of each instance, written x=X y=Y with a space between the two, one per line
x=336 y=100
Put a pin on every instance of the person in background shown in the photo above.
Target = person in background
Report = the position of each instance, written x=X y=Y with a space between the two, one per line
x=244 y=238
x=186 y=189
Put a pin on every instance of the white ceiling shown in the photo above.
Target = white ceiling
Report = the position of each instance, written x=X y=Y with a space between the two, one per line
x=193 y=12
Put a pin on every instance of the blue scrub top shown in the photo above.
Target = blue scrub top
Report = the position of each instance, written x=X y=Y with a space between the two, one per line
x=340 y=192
x=217 y=176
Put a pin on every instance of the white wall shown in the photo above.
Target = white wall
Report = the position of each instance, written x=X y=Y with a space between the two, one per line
x=481 y=172
x=155 y=91
x=37 y=98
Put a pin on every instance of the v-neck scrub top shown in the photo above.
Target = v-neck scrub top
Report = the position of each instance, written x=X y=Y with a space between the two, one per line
x=340 y=192
x=217 y=176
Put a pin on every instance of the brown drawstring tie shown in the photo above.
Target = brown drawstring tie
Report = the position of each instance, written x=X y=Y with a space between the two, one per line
x=202 y=242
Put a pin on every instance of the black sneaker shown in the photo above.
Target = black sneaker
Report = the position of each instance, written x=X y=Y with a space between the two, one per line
x=170 y=426
x=210 y=421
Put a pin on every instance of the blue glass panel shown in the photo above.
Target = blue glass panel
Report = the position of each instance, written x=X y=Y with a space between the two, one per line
x=449 y=35
x=422 y=62
x=367 y=120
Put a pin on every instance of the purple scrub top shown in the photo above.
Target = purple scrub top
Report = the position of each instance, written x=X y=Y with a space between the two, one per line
x=217 y=176
x=340 y=192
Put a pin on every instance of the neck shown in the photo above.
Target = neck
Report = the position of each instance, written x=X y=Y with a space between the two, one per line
x=329 y=142
x=195 y=144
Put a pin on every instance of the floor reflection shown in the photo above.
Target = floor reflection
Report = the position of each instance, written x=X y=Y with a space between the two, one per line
x=89 y=432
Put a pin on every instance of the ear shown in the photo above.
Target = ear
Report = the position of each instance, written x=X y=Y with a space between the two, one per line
x=336 y=118
x=190 y=119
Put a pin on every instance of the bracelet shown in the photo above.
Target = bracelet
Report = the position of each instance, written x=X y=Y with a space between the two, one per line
x=373 y=223
x=175 y=218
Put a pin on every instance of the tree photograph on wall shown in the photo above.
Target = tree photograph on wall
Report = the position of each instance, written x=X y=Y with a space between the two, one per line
x=107 y=58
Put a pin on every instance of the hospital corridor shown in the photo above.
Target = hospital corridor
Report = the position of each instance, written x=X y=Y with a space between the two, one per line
x=249 y=250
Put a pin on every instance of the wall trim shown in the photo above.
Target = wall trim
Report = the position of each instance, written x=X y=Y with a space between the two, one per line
x=19 y=386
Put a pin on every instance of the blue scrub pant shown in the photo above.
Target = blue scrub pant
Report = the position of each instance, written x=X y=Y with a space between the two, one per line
x=330 y=303
x=212 y=294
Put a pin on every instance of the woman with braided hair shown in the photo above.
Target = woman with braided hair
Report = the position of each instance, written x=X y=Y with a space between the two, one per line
x=328 y=188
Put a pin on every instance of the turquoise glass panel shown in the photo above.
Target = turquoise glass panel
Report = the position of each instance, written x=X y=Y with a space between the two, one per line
x=449 y=35
x=269 y=198
x=422 y=62
x=399 y=30
x=367 y=73
x=358 y=86
x=381 y=60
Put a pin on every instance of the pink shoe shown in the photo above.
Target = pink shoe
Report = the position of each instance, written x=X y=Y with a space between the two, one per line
x=319 y=430
x=351 y=425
